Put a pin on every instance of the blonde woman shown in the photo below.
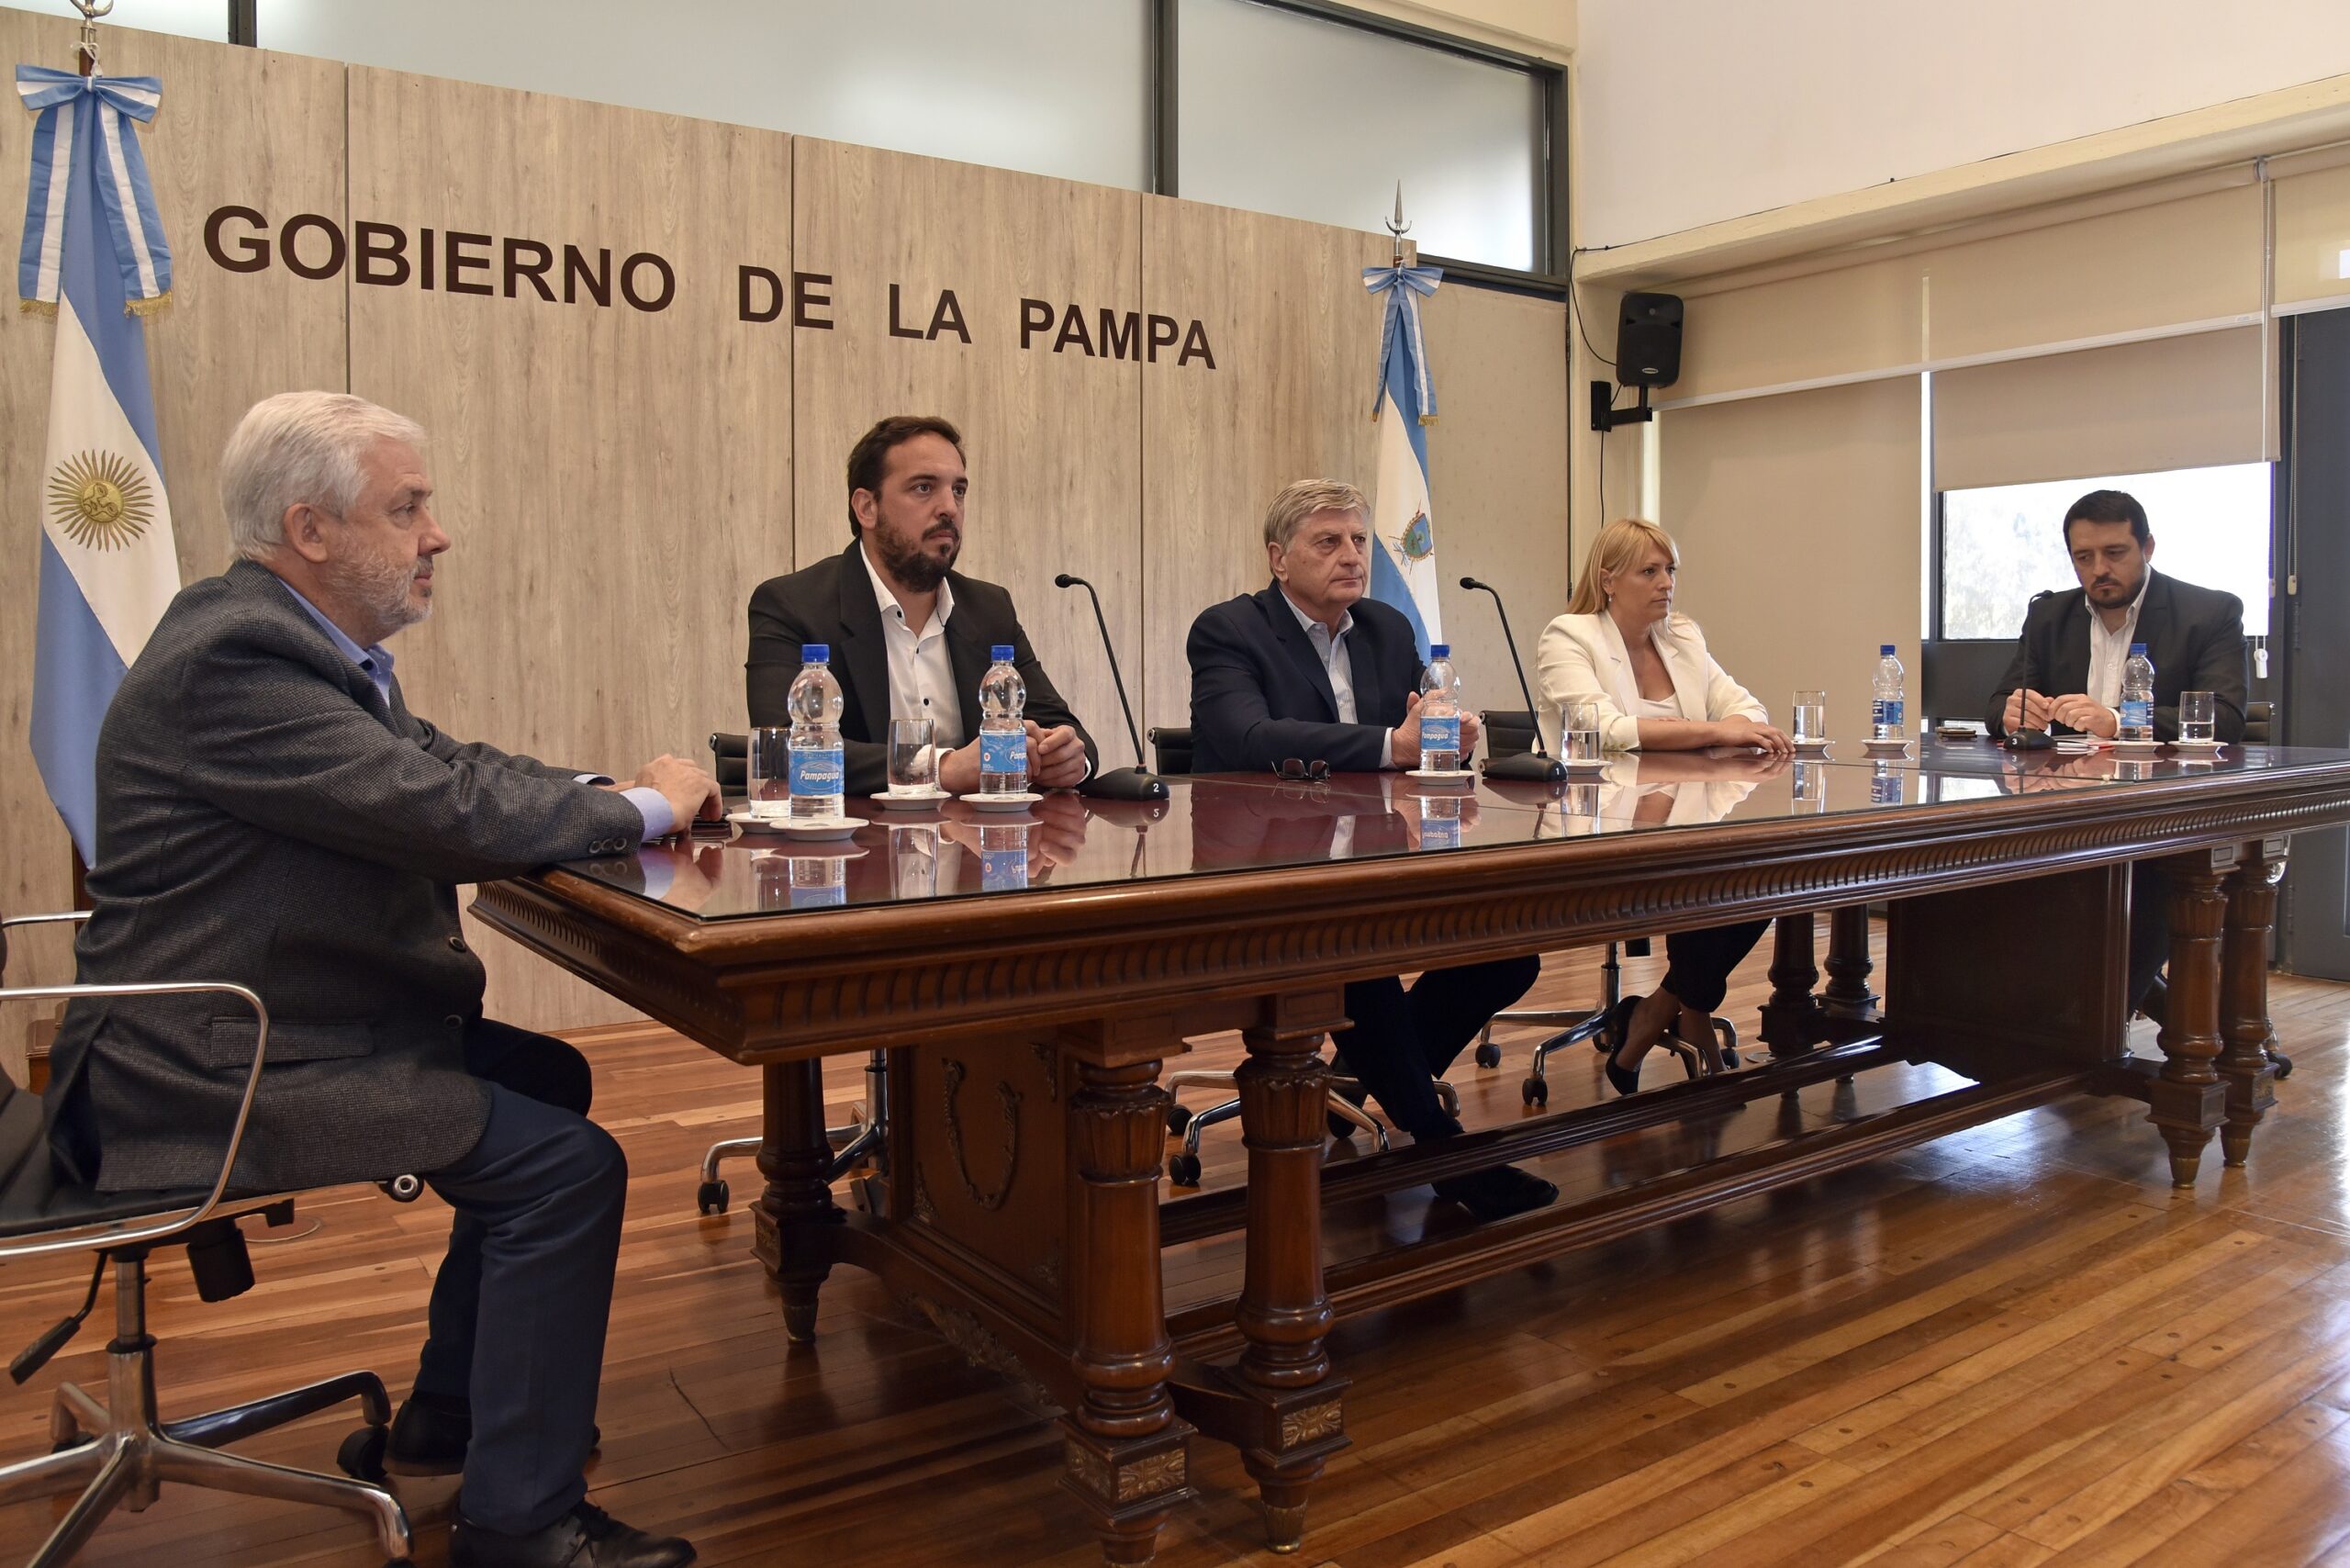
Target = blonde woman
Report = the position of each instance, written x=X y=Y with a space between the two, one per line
x=1620 y=647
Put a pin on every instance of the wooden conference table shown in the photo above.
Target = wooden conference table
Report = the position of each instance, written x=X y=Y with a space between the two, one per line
x=1043 y=966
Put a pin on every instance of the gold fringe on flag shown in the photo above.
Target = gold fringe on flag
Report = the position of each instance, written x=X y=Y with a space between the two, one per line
x=38 y=308
x=147 y=307
x=1427 y=418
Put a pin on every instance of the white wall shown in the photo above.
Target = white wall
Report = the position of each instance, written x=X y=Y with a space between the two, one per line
x=1693 y=111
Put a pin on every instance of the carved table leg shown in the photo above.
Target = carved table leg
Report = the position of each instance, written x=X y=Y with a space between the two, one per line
x=2247 y=1034
x=1126 y=1455
x=1791 y=1018
x=793 y=1214
x=2187 y=1098
x=1283 y=1310
x=1848 y=998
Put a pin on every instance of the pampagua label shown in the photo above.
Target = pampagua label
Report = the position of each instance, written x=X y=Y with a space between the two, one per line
x=1439 y=735
x=816 y=771
x=1885 y=712
x=1001 y=753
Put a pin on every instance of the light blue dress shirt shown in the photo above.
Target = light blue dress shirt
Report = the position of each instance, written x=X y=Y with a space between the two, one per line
x=375 y=664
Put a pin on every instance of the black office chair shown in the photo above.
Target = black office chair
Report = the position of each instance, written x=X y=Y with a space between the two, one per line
x=2259 y=723
x=117 y=1452
x=864 y=1136
x=1171 y=752
x=1508 y=732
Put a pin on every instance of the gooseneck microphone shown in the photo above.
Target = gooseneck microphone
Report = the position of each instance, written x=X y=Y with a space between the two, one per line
x=1119 y=783
x=1536 y=767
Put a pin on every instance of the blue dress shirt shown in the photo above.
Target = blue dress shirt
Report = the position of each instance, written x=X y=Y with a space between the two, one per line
x=375 y=664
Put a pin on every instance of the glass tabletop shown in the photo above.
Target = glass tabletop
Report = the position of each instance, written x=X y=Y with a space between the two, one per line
x=1233 y=822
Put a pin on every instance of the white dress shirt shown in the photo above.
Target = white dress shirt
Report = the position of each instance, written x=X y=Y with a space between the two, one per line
x=1332 y=652
x=921 y=676
x=2108 y=650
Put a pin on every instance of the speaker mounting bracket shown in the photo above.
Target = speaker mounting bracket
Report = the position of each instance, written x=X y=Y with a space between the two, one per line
x=1606 y=416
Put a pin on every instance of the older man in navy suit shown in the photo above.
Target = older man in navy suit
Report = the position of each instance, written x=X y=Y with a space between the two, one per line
x=1309 y=669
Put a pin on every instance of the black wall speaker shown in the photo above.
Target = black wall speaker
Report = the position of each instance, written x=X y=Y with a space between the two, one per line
x=1647 y=340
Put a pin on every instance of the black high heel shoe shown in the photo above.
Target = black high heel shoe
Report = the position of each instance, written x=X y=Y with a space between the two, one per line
x=1610 y=1039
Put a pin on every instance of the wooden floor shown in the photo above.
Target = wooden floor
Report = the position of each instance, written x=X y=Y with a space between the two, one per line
x=2012 y=1346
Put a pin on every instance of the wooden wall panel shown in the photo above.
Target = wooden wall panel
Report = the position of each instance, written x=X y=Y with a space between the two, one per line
x=237 y=125
x=1296 y=344
x=1049 y=438
x=615 y=480
x=1498 y=474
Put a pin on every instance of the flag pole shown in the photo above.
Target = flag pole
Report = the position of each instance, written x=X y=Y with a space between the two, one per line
x=86 y=53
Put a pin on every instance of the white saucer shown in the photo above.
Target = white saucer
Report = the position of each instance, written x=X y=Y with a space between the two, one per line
x=1812 y=747
x=2197 y=748
x=2133 y=748
x=1440 y=775
x=1584 y=764
x=909 y=802
x=1002 y=803
x=807 y=829
x=1886 y=749
x=839 y=850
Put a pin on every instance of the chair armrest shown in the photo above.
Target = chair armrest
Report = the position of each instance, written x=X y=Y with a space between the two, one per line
x=162 y=1229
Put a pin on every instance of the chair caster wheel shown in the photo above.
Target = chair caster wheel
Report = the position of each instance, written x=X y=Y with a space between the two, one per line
x=1178 y=1118
x=711 y=1197
x=1489 y=1055
x=361 y=1457
x=1535 y=1092
x=1183 y=1169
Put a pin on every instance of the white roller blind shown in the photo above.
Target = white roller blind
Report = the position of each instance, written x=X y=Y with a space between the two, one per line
x=1799 y=522
x=2313 y=236
x=2183 y=402
x=2192 y=262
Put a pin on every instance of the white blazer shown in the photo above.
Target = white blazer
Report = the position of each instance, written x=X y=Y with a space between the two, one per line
x=1581 y=658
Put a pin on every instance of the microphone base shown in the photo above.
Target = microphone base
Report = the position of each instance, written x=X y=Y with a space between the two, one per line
x=1525 y=768
x=1125 y=784
x=2028 y=740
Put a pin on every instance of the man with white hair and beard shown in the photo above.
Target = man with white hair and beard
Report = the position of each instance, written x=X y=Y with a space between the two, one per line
x=910 y=635
x=270 y=813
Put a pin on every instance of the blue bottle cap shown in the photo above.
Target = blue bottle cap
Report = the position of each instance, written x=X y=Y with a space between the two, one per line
x=1000 y=652
x=1885 y=651
x=815 y=653
x=1439 y=650
x=2138 y=650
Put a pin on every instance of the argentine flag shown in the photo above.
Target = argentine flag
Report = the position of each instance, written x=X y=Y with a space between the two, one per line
x=1403 y=565
x=94 y=253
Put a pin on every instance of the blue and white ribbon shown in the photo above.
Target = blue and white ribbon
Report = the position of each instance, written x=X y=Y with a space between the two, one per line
x=1405 y=287
x=90 y=116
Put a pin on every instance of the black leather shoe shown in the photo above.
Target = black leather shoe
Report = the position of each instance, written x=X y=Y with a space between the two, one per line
x=585 y=1538
x=430 y=1434
x=1499 y=1192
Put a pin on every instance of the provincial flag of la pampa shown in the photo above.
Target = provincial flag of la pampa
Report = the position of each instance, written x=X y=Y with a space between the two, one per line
x=93 y=254
x=1403 y=560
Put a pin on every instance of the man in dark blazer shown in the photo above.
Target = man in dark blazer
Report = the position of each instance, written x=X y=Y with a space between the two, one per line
x=910 y=635
x=2066 y=673
x=1311 y=670
x=270 y=813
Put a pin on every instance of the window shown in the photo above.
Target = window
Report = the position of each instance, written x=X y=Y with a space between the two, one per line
x=1283 y=112
x=2002 y=543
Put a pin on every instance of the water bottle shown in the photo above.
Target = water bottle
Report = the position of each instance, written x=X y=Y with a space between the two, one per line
x=816 y=771
x=2137 y=696
x=1439 y=712
x=1003 y=738
x=1884 y=786
x=1886 y=709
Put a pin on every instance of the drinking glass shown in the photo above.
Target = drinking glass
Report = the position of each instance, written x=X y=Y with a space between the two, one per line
x=913 y=758
x=1578 y=732
x=1811 y=716
x=2195 y=716
x=767 y=772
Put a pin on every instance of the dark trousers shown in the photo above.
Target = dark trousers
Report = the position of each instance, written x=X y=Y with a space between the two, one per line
x=1402 y=1039
x=2149 y=929
x=1697 y=963
x=519 y=1305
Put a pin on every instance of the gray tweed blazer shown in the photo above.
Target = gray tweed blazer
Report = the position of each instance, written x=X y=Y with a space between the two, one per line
x=264 y=817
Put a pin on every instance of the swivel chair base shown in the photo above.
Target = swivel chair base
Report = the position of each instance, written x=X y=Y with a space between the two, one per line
x=1184 y=1169
x=1699 y=1059
x=858 y=1141
x=120 y=1454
